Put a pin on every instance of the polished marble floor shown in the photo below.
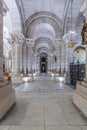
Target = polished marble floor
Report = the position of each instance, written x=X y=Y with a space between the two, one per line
x=43 y=105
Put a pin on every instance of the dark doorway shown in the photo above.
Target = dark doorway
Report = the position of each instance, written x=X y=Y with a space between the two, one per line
x=43 y=65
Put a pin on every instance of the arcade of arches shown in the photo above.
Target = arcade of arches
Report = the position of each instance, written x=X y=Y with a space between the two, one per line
x=43 y=65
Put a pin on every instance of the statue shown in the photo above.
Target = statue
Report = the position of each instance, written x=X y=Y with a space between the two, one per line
x=84 y=34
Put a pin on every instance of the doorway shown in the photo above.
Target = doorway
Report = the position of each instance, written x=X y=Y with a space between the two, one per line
x=43 y=65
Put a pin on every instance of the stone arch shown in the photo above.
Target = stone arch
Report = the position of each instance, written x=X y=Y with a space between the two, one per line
x=41 y=28
x=47 y=41
x=45 y=50
x=45 y=16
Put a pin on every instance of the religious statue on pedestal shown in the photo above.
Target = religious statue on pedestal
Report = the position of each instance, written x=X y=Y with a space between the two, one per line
x=84 y=34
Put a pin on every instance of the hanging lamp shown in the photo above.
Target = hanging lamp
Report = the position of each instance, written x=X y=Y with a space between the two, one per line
x=71 y=44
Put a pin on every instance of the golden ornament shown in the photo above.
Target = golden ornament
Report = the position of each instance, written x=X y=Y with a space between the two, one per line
x=70 y=45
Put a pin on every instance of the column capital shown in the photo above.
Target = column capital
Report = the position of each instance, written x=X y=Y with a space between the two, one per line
x=18 y=39
x=57 y=39
x=29 y=40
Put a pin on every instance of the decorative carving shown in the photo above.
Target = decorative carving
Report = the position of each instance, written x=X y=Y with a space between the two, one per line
x=16 y=38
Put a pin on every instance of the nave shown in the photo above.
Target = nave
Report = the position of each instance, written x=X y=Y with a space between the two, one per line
x=43 y=105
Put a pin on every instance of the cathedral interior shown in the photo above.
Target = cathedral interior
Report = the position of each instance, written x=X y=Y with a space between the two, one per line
x=43 y=64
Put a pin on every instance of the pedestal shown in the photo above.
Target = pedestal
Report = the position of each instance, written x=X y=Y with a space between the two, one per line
x=80 y=96
x=7 y=97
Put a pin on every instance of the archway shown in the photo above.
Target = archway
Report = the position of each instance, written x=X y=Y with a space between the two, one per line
x=43 y=64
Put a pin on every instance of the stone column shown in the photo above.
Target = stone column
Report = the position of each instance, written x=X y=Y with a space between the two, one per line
x=16 y=76
x=51 y=59
x=7 y=94
x=1 y=40
x=8 y=66
x=35 y=62
x=48 y=63
x=24 y=59
x=29 y=43
x=38 y=64
x=14 y=58
x=57 y=43
x=61 y=56
x=69 y=59
x=54 y=59
x=63 y=59
x=29 y=56
x=20 y=55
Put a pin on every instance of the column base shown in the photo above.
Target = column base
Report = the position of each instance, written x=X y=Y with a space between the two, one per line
x=7 y=97
x=17 y=78
x=80 y=96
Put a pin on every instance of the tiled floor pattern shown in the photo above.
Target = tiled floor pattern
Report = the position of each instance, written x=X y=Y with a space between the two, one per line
x=43 y=105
